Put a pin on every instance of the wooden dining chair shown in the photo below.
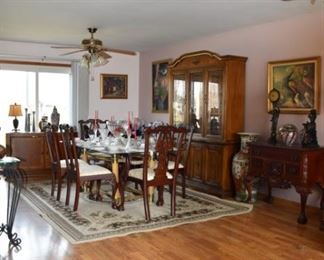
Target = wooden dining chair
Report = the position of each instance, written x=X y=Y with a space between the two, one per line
x=56 y=171
x=86 y=127
x=82 y=172
x=183 y=165
x=57 y=160
x=167 y=144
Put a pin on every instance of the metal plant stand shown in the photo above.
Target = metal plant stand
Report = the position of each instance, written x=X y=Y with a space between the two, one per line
x=14 y=178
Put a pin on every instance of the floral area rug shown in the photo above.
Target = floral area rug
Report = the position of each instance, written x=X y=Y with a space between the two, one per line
x=96 y=220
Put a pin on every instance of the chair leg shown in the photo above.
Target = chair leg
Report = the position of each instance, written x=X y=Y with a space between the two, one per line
x=183 y=174
x=59 y=188
x=160 y=200
x=98 y=196
x=146 y=204
x=77 y=195
x=53 y=184
x=68 y=191
x=91 y=195
x=173 y=200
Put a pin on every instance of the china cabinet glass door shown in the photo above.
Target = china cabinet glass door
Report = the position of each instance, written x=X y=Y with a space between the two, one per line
x=196 y=107
x=214 y=108
x=179 y=99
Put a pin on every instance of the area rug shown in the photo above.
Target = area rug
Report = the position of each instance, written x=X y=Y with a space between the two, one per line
x=96 y=220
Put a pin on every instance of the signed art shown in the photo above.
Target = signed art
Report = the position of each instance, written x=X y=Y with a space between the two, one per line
x=160 y=86
x=113 y=86
x=297 y=81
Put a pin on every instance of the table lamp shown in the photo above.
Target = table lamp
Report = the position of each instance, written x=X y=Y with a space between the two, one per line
x=15 y=110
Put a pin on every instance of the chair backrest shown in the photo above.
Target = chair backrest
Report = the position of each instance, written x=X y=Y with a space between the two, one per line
x=53 y=151
x=187 y=146
x=70 y=151
x=86 y=126
x=166 y=142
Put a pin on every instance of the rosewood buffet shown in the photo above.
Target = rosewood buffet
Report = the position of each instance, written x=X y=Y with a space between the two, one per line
x=282 y=166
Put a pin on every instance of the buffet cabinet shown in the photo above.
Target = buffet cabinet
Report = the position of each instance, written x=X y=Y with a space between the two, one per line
x=31 y=149
x=282 y=166
x=207 y=92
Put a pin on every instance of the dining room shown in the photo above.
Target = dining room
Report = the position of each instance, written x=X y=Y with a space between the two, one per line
x=98 y=86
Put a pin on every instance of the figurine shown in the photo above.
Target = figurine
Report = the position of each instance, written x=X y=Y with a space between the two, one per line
x=309 y=136
x=275 y=115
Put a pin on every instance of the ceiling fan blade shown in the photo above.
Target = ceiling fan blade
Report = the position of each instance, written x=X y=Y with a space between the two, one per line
x=104 y=55
x=72 y=52
x=119 y=51
x=66 y=47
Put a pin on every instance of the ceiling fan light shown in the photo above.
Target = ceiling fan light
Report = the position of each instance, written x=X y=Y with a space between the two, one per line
x=101 y=61
x=85 y=61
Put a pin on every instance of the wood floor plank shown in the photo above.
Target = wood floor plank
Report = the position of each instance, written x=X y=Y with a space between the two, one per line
x=268 y=232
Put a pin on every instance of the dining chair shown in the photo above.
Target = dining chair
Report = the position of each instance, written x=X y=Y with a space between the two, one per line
x=183 y=165
x=82 y=172
x=165 y=141
x=86 y=128
x=57 y=160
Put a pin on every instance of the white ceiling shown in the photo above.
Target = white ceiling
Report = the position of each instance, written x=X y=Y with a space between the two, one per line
x=137 y=25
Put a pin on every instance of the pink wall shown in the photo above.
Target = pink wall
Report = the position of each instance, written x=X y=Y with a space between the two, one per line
x=299 y=37
x=119 y=64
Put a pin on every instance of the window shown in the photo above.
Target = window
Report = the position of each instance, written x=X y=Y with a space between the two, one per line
x=37 y=89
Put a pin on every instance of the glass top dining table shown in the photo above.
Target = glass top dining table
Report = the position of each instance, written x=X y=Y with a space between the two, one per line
x=120 y=149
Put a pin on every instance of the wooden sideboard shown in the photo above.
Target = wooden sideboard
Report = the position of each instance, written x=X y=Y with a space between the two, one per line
x=282 y=166
x=31 y=149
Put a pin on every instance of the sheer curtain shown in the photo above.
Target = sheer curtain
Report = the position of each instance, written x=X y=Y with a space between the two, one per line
x=37 y=89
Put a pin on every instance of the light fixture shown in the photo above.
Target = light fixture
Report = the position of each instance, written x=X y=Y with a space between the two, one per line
x=90 y=60
x=15 y=110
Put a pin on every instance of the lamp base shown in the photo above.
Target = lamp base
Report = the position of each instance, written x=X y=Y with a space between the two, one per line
x=15 y=124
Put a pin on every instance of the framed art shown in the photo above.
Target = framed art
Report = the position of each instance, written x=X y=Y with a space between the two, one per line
x=160 y=86
x=113 y=86
x=297 y=83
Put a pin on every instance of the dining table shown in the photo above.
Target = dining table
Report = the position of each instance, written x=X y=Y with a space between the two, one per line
x=120 y=150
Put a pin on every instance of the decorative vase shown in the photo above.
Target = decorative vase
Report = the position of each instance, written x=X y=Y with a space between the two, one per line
x=288 y=134
x=34 y=122
x=26 y=119
x=55 y=118
x=240 y=167
x=43 y=123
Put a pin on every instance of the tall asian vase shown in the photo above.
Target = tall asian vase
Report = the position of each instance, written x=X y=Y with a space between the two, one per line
x=240 y=166
x=55 y=118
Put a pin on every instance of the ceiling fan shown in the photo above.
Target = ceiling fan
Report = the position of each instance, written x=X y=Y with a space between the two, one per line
x=311 y=1
x=96 y=53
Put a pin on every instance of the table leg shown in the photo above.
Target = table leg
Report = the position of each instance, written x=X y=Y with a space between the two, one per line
x=14 y=177
x=302 y=219
x=118 y=194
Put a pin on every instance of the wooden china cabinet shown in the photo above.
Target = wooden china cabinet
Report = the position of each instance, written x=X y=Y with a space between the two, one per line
x=208 y=92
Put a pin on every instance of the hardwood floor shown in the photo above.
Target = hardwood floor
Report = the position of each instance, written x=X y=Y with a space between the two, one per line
x=268 y=232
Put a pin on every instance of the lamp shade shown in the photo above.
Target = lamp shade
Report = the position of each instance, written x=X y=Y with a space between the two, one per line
x=15 y=110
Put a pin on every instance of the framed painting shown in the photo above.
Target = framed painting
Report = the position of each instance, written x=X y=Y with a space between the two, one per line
x=113 y=86
x=297 y=83
x=160 y=86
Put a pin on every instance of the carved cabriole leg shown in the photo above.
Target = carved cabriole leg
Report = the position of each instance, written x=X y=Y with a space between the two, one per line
x=302 y=219
x=91 y=195
x=160 y=200
x=98 y=196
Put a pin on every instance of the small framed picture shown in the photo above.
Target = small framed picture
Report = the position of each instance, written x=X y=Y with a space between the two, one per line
x=113 y=86
x=160 y=86
x=297 y=83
